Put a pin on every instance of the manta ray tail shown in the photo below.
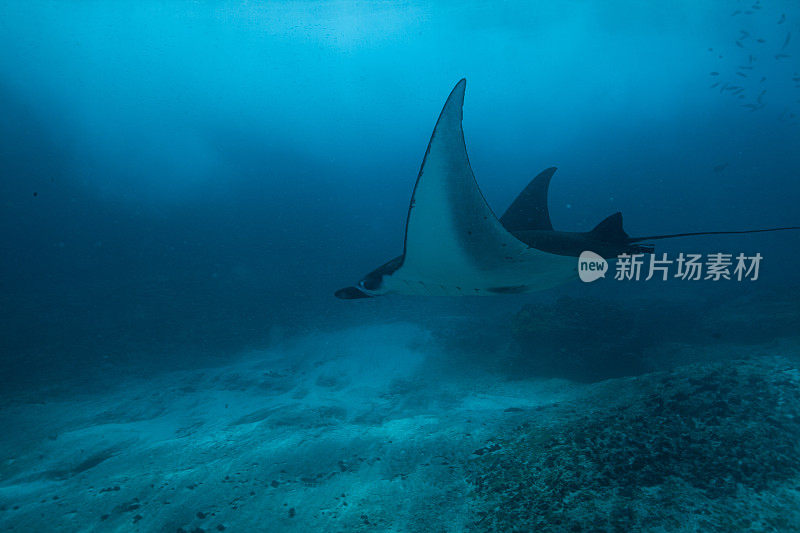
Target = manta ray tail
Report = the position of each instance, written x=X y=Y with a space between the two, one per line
x=674 y=235
x=610 y=230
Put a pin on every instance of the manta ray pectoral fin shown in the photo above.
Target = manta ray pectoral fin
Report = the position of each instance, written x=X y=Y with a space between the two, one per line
x=529 y=210
x=454 y=244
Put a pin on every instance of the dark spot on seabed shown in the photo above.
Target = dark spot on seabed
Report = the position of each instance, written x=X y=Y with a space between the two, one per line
x=508 y=290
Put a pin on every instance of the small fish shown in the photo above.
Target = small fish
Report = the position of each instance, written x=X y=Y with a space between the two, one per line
x=738 y=91
x=743 y=34
x=750 y=58
x=796 y=79
x=786 y=42
x=737 y=12
x=756 y=6
x=782 y=56
x=741 y=96
x=714 y=85
x=762 y=41
x=715 y=73
x=763 y=79
x=783 y=18
x=742 y=74
x=739 y=44
x=748 y=12
x=745 y=67
x=710 y=49
x=721 y=167
x=725 y=86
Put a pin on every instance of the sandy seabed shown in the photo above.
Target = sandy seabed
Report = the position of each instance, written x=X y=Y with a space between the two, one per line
x=377 y=428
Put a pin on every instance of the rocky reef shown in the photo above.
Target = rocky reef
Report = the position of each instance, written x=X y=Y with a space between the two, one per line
x=706 y=447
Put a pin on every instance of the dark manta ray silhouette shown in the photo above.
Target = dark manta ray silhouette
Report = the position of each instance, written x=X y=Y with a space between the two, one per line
x=528 y=219
x=455 y=245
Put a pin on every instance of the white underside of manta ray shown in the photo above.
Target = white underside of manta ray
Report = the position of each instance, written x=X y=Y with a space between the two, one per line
x=455 y=245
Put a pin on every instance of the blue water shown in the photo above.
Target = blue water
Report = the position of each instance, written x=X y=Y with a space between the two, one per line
x=181 y=180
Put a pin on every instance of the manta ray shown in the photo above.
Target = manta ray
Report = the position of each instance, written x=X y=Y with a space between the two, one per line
x=455 y=245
